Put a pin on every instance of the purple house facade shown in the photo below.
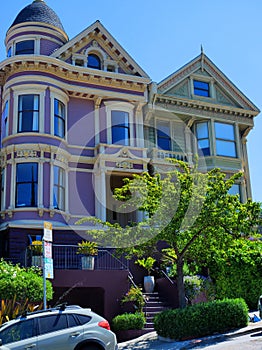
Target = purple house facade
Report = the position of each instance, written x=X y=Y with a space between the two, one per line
x=80 y=115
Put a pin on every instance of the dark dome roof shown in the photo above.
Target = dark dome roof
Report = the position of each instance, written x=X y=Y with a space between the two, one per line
x=38 y=11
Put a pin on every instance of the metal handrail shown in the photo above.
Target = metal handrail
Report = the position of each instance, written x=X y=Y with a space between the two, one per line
x=167 y=277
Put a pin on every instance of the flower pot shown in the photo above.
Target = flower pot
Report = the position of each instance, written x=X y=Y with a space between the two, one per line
x=149 y=284
x=37 y=260
x=88 y=262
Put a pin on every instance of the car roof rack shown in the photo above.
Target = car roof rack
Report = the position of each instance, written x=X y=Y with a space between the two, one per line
x=60 y=307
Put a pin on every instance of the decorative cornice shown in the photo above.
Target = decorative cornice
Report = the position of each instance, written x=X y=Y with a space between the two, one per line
x=194 y=107
x=71 y=73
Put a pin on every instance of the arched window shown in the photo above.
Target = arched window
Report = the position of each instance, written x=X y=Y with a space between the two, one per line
x=93 y=61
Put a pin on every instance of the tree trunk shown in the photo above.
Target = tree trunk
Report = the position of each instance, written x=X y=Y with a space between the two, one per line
x=180 y=284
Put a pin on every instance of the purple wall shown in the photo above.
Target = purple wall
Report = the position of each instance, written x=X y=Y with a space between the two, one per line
x=47 y=47
x=81 y=126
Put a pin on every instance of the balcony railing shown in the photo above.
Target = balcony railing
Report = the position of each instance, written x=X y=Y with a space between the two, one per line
x=156 y=153
x=66 y=257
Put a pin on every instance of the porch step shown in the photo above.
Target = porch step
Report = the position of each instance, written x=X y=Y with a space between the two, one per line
x=153 y=306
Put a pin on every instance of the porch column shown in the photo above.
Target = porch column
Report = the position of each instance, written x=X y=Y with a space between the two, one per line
x=100 y=194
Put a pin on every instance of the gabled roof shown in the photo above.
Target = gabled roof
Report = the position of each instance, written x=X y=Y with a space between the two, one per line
x=203 y=66
x=112 y=46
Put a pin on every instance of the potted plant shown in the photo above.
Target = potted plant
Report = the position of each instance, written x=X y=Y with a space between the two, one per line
x=149 y=281
x=88 y=250
x=135 y=298
x=36 y=248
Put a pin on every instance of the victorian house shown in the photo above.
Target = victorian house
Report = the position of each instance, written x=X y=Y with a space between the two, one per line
x=78 y=116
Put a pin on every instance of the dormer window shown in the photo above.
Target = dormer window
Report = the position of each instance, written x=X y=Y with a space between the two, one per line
x=93 y=61
x=201 y=88
x=26 y=47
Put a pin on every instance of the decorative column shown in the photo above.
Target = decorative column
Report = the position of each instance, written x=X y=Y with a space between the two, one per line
x=97 y=104
x=246 y=170
x=100 y=194
x=139 y=126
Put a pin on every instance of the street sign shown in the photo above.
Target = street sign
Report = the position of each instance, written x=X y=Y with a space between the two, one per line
x=49 y=269
x=47 y=250
x=48 y=233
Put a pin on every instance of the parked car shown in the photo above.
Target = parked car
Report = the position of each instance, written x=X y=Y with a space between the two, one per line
x=61 y=328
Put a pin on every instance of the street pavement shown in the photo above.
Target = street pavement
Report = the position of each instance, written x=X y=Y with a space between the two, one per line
x=153 y=342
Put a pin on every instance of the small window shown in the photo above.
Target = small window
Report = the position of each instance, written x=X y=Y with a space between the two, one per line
x=79 y=62
x=26 y=47
x=235 y=189
x=5 y=121
x=59 y=188
x=26 y=184
x=202 y=135
x=163 y=136
x=9 y=52
x=48 y=324
x=83 y=319
x=120 y=128
x=28 y=113
x=59 y=118
x=94 y=61
x=111 y=68
x=201 y=88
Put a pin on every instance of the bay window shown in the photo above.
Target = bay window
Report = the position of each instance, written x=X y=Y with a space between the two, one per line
x=202 y=134
x=163 y=136
x=120 y=127
x=59 y=118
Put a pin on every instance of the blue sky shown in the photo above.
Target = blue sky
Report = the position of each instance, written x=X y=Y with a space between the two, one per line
x=164 y=35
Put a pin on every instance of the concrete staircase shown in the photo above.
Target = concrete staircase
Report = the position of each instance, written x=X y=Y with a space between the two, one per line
x=154 y=305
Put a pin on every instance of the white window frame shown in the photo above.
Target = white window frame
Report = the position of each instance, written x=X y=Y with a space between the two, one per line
x=51 y=197
x=121 y=107
x=57 y=94
x=39 y=184
x=204 y=79
x=30 y=90
x=6 y=125
x=36 y=40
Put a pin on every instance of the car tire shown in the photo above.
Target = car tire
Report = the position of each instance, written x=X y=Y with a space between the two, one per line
x=91 y=347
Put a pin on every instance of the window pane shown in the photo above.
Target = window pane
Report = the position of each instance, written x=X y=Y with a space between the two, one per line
x=26 y=184
x=5 y=121
x=224 y=131
x=201 y=88
x=202 y=130
x=59 y=188
x=24 y=47
x=120 y=127
x=83 y=319
x=226 y=148
x=203 y=147
x=235 y=189
x=59 y=118
x=28 y=113
x=52 y=323
x=19 y=331
x=94 y=61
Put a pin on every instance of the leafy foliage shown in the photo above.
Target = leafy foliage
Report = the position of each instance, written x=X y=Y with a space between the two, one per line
x=22 y=284
x=237 y=271
x=202 y=319
x=146 y=263
x=134 y=295
x=128 y=321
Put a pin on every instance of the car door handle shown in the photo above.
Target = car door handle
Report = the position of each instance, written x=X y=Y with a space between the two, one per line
x=73 y=335
x=30 y=346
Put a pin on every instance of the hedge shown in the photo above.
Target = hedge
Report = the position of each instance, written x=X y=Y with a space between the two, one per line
x=202 y=319
x=128 y=321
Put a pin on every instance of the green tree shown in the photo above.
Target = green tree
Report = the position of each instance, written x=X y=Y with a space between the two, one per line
x=189 y=210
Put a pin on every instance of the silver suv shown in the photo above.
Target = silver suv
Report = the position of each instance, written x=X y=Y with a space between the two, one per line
x=61 y=328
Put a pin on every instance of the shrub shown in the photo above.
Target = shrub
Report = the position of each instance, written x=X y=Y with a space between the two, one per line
x=237 y=272
x=202 y=319
x=128 y=321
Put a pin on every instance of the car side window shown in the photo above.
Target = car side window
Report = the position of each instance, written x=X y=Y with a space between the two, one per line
x=72 y=321
x=52 y=323
x=18 y=331
x=83 y=319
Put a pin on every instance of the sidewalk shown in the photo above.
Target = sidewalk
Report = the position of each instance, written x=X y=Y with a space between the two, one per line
x=153 y=342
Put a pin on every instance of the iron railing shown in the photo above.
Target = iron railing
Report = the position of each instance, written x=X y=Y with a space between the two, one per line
x=65 y=257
